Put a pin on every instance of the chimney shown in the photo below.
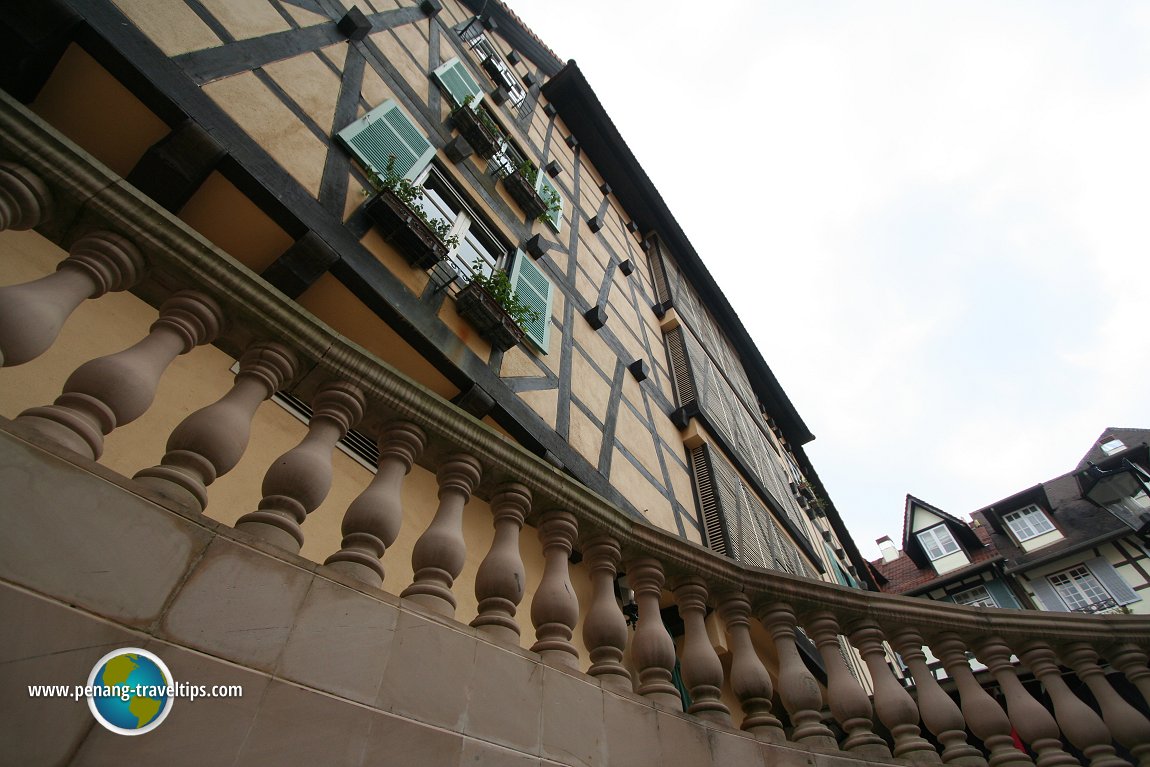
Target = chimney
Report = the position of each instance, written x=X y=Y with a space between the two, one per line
x=889 y=552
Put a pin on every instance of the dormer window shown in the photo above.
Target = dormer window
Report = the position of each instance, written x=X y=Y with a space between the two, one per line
x=1112 y=445
x=1028 y=523
x=937 y=541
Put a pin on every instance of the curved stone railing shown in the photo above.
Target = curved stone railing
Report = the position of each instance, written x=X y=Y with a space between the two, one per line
x=126 y=242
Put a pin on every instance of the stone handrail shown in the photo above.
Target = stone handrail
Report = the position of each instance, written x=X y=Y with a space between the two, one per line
x=118 y=239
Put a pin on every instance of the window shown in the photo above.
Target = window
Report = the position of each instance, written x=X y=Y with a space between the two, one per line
x=386 y=133
x=477 y=245
x=1081 y=591
x=975 y=597
x=1112 y=445
x=938 y=542
x=1028 y=523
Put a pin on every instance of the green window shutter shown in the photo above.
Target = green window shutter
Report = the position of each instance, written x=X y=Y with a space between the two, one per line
x=387 y=132
x=548 y=192
x=454 y=78
x=534 y=290
x=1002 y=595
x=1112 y=581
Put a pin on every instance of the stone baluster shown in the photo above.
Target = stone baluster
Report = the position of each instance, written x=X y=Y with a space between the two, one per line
x=701 y=667
x=298 y=481
x=983 y=715
x=210 y=442
x=32 y=314
x=604 y=627
x=893 y=704
x=373 y=519
x=798 y=688
x=500 y=580
x=749 y=678
x=1079 y=724
x=652 y=650
x=1132 y=661
x=438 y=556
x=849 y=703
x=1126 y=724
x=1033 y=723
x=940 y=713
x=111 y=391
x=555 y=608
x=25 y=200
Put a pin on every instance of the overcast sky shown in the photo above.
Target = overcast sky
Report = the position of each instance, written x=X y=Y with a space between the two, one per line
x=932 y=217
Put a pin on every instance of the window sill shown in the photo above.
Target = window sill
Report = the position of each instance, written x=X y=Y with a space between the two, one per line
x=524 y=194
x=477 y=306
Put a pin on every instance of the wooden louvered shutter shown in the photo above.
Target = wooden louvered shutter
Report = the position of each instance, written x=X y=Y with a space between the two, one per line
x=1046 y=593
x=714 y=525
x=546 y=191
x=1112 y=581
x=534 y=290
x=386 y=132
x=454 y=78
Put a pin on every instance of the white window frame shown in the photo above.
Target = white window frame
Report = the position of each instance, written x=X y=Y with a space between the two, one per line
x=977 y=596
x=1080 y=588
x=1028 y=523
x=932 y=537
x=465 y=225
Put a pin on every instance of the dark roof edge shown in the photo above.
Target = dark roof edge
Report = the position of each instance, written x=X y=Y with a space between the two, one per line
x=581 y=109
x=1069 y=550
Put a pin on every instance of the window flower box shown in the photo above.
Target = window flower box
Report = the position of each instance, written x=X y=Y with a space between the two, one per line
x=522 y=190
x=478 y=307
x=405 y=229
x=480 y=133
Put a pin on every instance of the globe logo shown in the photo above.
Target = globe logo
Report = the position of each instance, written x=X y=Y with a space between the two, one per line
x=130 y=691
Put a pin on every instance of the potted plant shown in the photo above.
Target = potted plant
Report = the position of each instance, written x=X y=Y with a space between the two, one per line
x=477 y=126
x=521 y=184
x=490 y=304
x=402 y=222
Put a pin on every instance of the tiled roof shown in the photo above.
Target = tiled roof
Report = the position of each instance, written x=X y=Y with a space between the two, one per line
x=904 y=575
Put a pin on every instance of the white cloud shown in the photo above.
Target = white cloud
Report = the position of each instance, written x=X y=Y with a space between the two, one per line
x=943 y=208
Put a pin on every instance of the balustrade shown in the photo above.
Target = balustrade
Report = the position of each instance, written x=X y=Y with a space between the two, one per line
x=32 y=314
x=500 y=581
x=939 y=712
x=848 y=701
x=555 y=609
x=373 y=519
x=1079 y=724
x=111 y=391
x=438 y=556
x=414 y=427
x=605 y=627
x=798 y=688
x=702 y=669
x=209 y=443
x=25 y=200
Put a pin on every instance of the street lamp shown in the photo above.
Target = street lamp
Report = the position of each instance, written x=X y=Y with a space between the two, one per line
x=1124 y=491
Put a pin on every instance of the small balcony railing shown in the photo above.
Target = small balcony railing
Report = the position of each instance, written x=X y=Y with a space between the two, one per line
x=203 y=296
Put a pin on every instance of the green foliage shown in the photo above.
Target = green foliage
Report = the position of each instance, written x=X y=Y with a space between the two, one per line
x=409 y=193
x=498 y=286
x=548 y=195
